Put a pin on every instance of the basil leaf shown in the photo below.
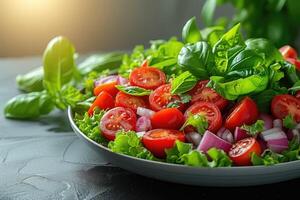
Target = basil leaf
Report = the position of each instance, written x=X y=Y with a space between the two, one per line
x=59 y=65
x=29 y=106
x=196 y=58
x=100 y=62
x=133 y=90
x=290 y=73
x=295 y=88
x=264 y=48
x=208 y=11
x=31 y=81
x=220 y=49
x=198 y=121
x=183 y=83
x=191 y=32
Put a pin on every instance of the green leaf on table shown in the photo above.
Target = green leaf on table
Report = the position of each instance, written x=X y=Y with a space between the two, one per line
x=29 y=106
x=134 y=90
x=31 y=81
x=191 y=32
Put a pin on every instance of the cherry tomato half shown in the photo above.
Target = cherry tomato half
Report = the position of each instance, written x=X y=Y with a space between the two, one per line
x=288 y=52
x=129 y=101
x=210 y=111
x=103 y=101
x=147 y=77
x=117 y=119
x=285 y=104
x=161 y=97
x=202 y=93
x=169 y=118
x=109 y=87
x=157 y=140
x=240 y=152
x=245 y=112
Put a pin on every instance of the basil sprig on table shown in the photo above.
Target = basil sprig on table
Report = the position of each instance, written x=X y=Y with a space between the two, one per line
x=133 y=90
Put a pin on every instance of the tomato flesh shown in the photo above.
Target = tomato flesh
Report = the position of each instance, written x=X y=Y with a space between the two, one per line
x=109 y=87
x=245 y=112
x=157 y=140
x=169 y=118
x=210 y=111
x=116 y=119
x=288 y=52
x=103 y=101
x=129 y=101
x=240 y=152
x=285 y=104
x=297 y=95
x=161 y=97
x=147 y=77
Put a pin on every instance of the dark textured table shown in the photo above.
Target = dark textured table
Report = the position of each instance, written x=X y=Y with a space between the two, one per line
x=44 y=159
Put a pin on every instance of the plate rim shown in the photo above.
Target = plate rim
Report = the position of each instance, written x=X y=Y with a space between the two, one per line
x=232 y=168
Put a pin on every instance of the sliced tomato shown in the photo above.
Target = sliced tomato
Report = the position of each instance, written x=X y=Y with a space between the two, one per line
x=288 y=52
x=103 y=101
x=129 y=101
x=157 y=140
x=198 y=87
x=147 y=77
x=109 y=87
x=295 y=62
x=210 y=111
x=210 y=95
x=116 y=119
x=240 y=152
x=168 y=118
x=161 y=97
x=245 y=112
x=285 y=104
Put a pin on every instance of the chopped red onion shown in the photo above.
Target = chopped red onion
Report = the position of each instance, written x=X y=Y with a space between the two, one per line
x=277 y=123
x=122 y=81
x=268 y=120
x=145 y=112
x=240 y=134
x=193 y=137
x=274 y=133
x=210 y=140
x=282 y=142
x=262 y=143
x=225 y=134
x=105 y=79
x=143 y=124
x=290 y=134
x=277 y=148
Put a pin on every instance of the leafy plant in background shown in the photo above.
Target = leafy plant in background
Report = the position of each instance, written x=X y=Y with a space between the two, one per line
x=277 y=20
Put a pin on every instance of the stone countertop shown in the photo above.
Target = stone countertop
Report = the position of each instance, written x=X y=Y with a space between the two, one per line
x=44 y=159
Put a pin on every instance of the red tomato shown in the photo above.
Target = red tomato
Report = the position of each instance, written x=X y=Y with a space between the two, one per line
x=297 y=95
x=103 y=101
x=288 y=52
x=169 y=118
x=210 y=111
x=285 y=104
x=295 y=62
x=109 y=87
x=202 y=93
x=161 y=97
x=147 y=77
x=128 y=101
x=117 y=119
x=245 y=112
x=157 y=140
x=240 y=152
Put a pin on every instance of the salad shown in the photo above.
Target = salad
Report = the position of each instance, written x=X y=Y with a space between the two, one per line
x=211 y=99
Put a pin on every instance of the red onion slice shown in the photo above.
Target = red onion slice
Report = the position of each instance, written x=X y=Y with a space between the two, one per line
x=210 y=140
x=225 y=134
x=240 y=134
x=105 y=79
x=143 y=124
x=122 y=81
x=193 y=137
x=277 y=148
x=274 y=133
x=144 y=112
x=277 y=123
x=268 y=121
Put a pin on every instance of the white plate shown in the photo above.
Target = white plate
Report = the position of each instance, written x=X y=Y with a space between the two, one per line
x=222 y=176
